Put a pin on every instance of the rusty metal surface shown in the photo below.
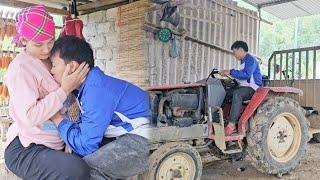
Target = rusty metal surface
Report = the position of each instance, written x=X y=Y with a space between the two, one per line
x=177 y=86
x=173 y=133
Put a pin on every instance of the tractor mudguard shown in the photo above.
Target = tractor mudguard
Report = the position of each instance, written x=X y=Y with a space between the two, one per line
x=256 y=100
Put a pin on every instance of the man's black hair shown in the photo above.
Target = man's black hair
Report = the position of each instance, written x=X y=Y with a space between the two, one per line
x=72 y=48
x=240 y=44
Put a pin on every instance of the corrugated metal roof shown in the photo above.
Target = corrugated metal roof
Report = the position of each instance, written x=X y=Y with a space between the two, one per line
x=286 y=9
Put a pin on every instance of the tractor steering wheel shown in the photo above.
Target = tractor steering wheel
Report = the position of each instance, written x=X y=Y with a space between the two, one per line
x=234 y=81
x=216 y=71
x=230 y=77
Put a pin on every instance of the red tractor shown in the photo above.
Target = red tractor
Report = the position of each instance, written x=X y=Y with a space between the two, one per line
x=188 y=129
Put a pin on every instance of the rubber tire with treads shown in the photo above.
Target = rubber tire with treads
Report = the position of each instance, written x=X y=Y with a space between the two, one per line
x=164 y=151
x=258 y=149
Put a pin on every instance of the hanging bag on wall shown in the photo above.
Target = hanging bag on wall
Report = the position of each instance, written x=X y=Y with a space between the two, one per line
x=173 y=51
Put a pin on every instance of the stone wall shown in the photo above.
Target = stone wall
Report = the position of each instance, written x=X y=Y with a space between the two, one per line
x=101 y=32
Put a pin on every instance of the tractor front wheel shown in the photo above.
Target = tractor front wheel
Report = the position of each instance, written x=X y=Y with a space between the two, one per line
x=174 y=160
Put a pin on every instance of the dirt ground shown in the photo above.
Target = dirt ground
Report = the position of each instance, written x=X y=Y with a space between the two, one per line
x=224 y=170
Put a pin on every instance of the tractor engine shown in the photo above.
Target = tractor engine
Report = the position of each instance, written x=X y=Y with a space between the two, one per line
x=178 y=107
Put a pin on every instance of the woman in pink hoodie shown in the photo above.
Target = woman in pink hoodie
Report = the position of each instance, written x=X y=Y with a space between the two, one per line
x=34 y=149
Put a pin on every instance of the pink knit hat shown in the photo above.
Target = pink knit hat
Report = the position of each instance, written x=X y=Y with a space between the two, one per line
x=34 y=23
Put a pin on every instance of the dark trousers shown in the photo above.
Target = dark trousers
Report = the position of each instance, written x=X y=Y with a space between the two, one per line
x=120 y=159
x=37 y=162
x=237 y=95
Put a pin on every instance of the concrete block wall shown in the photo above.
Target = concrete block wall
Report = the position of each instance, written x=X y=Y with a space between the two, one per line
x=101 y=32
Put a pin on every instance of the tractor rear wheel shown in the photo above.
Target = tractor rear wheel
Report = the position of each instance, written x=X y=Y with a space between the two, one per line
x=278 y=136
x=174 y=160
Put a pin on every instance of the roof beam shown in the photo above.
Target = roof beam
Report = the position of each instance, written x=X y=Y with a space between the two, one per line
x=266 y=4
x=103 y=8
x=19 y=4
x=47 y=3
x=99 y=4
x=173 y=3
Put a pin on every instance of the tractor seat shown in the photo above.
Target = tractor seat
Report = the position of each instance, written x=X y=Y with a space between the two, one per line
x=246 y=102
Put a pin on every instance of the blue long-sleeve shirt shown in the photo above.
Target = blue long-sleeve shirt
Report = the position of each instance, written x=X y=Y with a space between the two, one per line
x=100 y=96
x=249 y=73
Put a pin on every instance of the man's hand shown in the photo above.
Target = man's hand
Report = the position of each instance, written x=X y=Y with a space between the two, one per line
x=224 y=73
x=71 y=81
x=57 y=118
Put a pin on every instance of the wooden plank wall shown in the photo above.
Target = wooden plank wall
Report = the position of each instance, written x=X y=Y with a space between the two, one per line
x=310 y=88
x=219 y=22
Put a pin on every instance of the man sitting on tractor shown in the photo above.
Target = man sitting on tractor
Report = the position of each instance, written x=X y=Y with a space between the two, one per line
x=249 y=79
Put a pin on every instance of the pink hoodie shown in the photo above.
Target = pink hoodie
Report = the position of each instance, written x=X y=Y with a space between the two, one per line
x=34 y=98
